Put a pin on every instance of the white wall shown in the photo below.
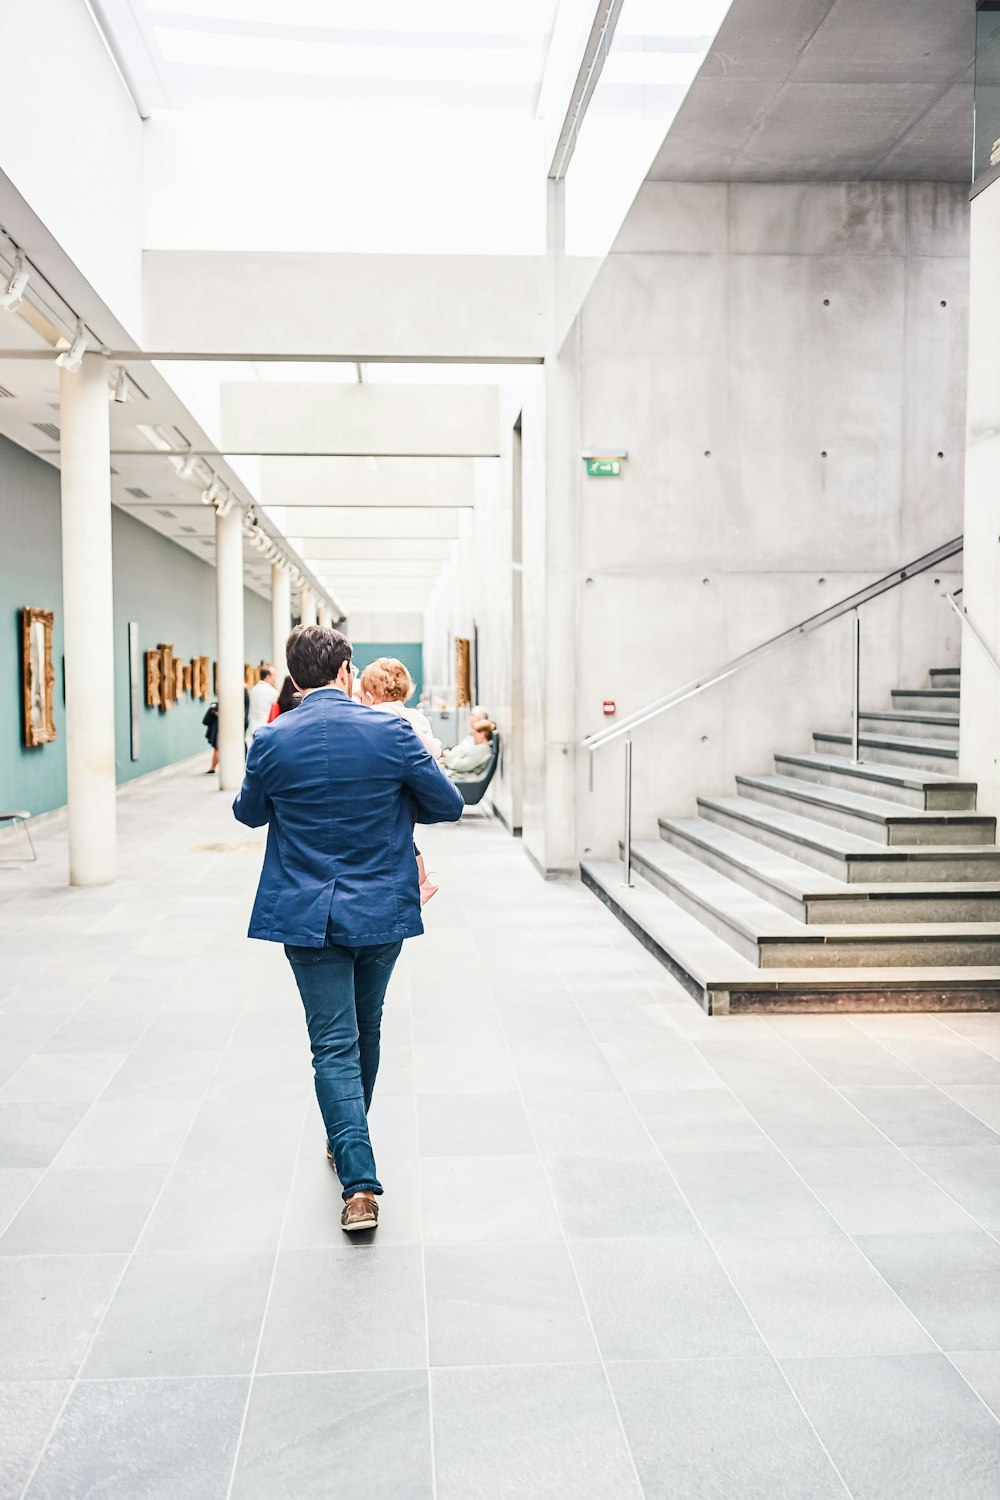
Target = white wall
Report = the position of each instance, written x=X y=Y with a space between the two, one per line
x=735 y=335
x=72 y=147
x=980 y=740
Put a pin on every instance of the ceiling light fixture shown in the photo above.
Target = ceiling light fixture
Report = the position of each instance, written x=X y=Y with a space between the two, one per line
x=212 y=493
x=188 y=467
x=71 y=359
x=14 y=288
x=121 y=391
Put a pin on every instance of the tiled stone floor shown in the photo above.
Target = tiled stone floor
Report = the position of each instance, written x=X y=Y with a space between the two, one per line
x=625 y=1250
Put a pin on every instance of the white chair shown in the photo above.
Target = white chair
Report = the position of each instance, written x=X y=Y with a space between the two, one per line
x=13 y=818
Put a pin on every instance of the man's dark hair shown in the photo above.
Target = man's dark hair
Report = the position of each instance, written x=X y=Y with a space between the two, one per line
x=315 y=655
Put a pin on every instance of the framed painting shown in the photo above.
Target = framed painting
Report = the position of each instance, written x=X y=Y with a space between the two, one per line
x=38 y=676
x=154 y=674
x=186 y=678
x=178 y=678
x=168 y=689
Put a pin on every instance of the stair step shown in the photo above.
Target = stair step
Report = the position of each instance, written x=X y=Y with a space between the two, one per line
x=868 y=816
x=846 y=856
x=811 y=896
x=933 y=754
x=945 y=677
x=932 y=700
x=772 y=939
x=722 y=982
x=903 y=784
x=912 y=723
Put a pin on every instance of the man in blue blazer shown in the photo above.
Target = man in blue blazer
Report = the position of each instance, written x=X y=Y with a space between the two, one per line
x=340 y=787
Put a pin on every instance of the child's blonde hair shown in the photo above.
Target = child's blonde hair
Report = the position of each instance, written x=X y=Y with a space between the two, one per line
x=387 y=680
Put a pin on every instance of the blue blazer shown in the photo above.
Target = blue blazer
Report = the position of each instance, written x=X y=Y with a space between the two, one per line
x=340 y=787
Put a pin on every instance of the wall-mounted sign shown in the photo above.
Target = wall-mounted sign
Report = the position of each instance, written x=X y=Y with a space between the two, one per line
x=604 y=468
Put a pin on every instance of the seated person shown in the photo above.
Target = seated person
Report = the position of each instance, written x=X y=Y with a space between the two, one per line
x=470 y=759
x=386 y=684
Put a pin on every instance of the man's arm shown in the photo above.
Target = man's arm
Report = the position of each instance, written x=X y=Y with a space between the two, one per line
x=252 y=805
x=435 y=798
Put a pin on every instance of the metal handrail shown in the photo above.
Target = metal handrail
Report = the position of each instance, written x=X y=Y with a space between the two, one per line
x=757 y=653
x=963 y=615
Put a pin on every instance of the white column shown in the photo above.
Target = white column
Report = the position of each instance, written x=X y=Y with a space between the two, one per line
x=281 y=619
x=308 y=610
x=88 y=622
x=325 y=617
x=229 y=613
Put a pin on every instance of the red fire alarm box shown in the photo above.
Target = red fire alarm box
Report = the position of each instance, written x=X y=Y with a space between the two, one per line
x=609 y=707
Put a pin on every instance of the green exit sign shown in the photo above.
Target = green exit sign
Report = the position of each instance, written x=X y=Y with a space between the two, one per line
x=604 y=468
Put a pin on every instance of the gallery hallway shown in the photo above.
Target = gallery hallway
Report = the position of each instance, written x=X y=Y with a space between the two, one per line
x=625 y=1250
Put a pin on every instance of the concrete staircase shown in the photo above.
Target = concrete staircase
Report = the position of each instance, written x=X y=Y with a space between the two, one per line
x=830 y=886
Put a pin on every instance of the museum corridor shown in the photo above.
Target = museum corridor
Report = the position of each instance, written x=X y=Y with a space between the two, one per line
x=624 y=1250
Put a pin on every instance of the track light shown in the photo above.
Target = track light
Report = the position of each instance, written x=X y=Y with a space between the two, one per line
x=121 y=390
x=188 y=467
x=14 y=287
x=71 y=359
x=212 y=493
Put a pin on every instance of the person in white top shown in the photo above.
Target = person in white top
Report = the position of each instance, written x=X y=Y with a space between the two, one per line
x=263 y=697
x=386 y=684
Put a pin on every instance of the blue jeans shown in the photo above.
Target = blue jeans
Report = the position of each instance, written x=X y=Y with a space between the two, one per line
x=342 y=990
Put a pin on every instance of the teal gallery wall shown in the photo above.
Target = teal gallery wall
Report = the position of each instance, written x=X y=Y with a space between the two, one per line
x=410 y=653
x=167 y=591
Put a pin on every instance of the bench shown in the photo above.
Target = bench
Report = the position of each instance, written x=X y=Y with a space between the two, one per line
x=473 y=788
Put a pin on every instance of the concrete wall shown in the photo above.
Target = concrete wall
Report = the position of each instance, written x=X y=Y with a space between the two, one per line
x=171 y=595
x=786 y=368
x=980 y=736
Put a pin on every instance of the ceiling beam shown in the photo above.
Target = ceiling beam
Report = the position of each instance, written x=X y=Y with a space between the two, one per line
x=366 y=420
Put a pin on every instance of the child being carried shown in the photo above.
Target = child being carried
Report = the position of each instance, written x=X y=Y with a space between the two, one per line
x=386 y=684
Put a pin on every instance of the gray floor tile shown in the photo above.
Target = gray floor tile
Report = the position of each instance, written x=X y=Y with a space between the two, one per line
x=819 y=1296
x=83 y=1211
x=229 y=1130
x=233 y=1207
x=505 y=1304
x=809 y=1115
x=150 y=1072
x=356 y=1307
x=457 y=1068
x=61 y=1078
x=661 y=1299
x=982 y=1371
x=661 y=1062
x=392 y=1125
x=969 y=1174
x=950 y=1282
x=920 y=1118
x=15 y=1185
x=547 y=1065
x=473 y=1125
x=683 y=1120
x=749 y=1193
x=31 y=1135
x=28 y=1409
x=548 y=1431
x=980 y=1099
x=158 y=1439
x=852 y=1060
x=305 y=1434
x=485 y=1198
x=711 y=1429
x=197 y=1313
x=50 y=1306
x=598 y=1197
x=595 y=1123
x=880 y=1192
x=901 y=1427
x=130 y=1132
x=104 y=1024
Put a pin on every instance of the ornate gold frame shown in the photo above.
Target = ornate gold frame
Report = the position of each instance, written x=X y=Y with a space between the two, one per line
x=31 y=689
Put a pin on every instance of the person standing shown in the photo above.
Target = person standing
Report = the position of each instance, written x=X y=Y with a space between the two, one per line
x=263 y=697
x=339 y=788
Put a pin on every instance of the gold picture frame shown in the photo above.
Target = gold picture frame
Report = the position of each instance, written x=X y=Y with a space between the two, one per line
x=38 y=676
x=199 y=677
x=463 y=672
x=168 y=678
x=154 y=675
